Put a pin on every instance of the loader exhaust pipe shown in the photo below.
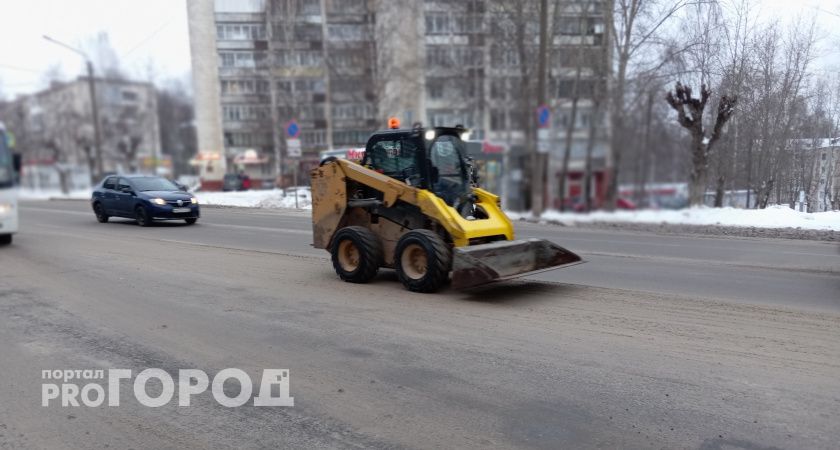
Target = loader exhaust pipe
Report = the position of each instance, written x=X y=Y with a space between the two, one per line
x=480 y=264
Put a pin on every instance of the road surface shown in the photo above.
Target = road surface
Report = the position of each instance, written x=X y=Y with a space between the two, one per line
x=656 y=342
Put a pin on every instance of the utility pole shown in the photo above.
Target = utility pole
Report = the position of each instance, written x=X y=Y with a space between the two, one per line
x=538 y=168
x=97 y=136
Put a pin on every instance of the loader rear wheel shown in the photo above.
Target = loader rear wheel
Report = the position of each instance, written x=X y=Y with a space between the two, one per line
x=356 y=254
x=422 y=260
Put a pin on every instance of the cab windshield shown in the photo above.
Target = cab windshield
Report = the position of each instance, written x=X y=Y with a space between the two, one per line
x=446 y=155
x=7 y=174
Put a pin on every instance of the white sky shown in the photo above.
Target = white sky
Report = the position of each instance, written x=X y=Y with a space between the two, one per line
x=140 y=31
x=156 y=30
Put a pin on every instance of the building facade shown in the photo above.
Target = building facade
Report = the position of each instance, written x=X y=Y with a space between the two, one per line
x=54 y=131
x=341 y=68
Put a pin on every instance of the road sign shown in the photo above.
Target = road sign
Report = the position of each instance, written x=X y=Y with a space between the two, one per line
x=543 y=114
x=292 y=129
x=293 y=148
x=543 y=140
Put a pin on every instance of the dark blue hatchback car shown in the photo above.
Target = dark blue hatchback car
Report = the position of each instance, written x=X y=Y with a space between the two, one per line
x=143 y=198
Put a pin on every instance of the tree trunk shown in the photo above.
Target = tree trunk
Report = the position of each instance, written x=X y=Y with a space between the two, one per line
x=697 y=179
x=720 y=190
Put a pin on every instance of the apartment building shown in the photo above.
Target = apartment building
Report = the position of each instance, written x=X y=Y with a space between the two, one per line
x=340 y=68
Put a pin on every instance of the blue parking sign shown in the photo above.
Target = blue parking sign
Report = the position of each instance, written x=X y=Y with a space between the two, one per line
x=292 y=129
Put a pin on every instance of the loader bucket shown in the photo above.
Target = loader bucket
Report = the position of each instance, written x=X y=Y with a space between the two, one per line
x=479 y=264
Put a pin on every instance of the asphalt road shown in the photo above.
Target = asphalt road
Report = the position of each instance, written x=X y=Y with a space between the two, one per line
x=656 y=342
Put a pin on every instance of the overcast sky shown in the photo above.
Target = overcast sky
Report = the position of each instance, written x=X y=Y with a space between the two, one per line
x=144 y=31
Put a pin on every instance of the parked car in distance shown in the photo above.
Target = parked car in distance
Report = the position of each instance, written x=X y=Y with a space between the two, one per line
x=143 y=198
x=232 y=182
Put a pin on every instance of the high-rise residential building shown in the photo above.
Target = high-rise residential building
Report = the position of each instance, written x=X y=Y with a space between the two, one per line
x=340 y=68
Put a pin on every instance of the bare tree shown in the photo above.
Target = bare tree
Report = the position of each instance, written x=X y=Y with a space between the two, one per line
x=690 y=116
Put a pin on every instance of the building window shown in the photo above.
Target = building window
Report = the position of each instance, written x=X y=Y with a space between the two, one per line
x=244 y=87
x=243 y=59
x=434 y=89
x=498 y=119
x=300 y=59
x=351 y=137
x=313 y=138
x=131 y=96
x=347 y=32
x=244 y=112
x=349 y=6
x=240 y=31
x=440 y=56
x=359 y=111
x=449 y=118
x=437 y=23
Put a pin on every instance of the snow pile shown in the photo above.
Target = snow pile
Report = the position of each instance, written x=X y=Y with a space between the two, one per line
x=272 y=198
x=50 y=194
x=779 y=216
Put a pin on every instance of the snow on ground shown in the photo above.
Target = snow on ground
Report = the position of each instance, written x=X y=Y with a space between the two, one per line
x=273 y=198
x=30 y=194
x=779 y=216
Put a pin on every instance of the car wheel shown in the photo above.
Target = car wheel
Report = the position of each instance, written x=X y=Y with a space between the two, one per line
x=142 y=217
x=422 y=261
x=99 y=210
x=5 y=239
x=191 y=221
x=356 y=254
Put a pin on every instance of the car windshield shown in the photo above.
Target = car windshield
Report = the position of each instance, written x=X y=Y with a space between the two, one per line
x=7 y=175
x=153 y=184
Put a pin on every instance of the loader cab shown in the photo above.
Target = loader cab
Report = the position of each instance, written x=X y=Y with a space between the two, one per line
x=430 y=158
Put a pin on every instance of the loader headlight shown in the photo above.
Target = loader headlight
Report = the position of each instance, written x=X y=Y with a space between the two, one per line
x=159 y=201
x=430 y=135
x=465 y=136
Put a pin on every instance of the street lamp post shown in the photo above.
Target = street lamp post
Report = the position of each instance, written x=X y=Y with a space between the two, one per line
x=97 y=137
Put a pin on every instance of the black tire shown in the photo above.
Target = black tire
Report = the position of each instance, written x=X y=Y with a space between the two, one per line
x=5 y=239
x=356 y=254
x=422 y=261
x=99 y=210
x=191 y=221
x=142 y=217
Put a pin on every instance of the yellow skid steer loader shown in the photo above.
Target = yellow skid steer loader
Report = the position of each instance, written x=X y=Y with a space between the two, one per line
x=413 y=204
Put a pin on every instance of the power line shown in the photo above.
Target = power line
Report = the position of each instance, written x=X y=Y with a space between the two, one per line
x=147 y=39
x=826 y=11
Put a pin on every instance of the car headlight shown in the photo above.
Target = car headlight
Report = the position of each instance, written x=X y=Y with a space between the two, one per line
x=158 y=201
x=194 y=201
x=5 y=208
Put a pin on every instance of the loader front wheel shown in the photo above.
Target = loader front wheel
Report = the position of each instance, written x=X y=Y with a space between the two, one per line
x=356 y=254
x=422 y=260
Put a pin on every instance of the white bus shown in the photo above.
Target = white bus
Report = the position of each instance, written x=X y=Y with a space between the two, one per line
x=9 y=168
